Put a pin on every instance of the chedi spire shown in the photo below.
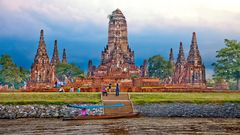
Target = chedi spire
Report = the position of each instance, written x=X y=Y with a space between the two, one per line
x=194 y=54
x=171 y=58
x=42 y=51
x=181 y=57
x=42 y=72
x=64 y=59
x=55 y=58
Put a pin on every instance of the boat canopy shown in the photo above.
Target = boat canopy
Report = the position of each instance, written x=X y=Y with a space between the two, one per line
x=95 y=106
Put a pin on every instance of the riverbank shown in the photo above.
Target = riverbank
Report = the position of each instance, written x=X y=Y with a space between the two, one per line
x=54 y=105
x=44 y=111
x=226 y=110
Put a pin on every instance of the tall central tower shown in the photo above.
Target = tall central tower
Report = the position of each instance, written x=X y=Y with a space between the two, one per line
x=117 y=31
x=117 y=59
x=117 y=40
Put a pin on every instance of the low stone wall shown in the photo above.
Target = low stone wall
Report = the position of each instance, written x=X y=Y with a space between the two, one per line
x=42 y=111
x=227 y=110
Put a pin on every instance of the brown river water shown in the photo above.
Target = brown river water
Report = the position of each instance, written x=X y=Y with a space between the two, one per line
x=138 y=126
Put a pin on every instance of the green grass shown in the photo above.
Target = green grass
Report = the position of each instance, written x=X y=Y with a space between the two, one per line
x=137 y=98
x=49 y=98
x=143 y=98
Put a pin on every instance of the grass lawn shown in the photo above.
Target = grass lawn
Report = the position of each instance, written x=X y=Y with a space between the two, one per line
x=49 y=98
x=142 y=98
x=137 y=98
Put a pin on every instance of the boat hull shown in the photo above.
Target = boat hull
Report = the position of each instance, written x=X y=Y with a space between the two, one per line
x=130 y=115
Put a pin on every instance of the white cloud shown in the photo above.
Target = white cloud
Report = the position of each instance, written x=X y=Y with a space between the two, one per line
x=221 y=15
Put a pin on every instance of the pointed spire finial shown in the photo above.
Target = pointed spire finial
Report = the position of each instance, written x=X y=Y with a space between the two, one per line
x=181 y=57
x=42 y=33
x=55 y=58
x=194 y=37
x=171 y=58
x=194 y=54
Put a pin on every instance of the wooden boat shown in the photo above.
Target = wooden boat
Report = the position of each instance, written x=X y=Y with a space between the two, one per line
x=130 y=115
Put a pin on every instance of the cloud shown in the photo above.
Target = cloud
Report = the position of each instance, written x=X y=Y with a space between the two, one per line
x=19 y=15
x=154 y=26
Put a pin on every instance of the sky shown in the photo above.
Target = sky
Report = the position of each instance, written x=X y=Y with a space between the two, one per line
x=81 y=26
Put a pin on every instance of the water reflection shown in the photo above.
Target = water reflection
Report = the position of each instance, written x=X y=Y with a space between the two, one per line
x=136 y=126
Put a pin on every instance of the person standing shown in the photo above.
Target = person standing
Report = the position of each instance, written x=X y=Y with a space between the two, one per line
x=104 y=91
x=110 y=87
x=117 y=90
x=71 y=89
x=78 y=90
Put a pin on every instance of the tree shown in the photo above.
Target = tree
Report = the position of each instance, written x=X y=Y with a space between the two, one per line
x=227 y=65
x=158 y=67
x=68 y=71
x=10 y=74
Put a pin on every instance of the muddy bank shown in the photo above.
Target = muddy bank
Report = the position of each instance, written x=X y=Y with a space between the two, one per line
x=227 y=110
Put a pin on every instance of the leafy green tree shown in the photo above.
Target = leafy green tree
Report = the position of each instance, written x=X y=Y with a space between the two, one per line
x=158 y=67
x=68 y=71
x=227 y=65
x=10 y=74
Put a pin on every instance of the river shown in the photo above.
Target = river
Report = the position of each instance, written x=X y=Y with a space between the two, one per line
x=138 y=126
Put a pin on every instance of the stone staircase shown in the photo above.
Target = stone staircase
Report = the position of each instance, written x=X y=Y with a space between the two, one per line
x=123 y=98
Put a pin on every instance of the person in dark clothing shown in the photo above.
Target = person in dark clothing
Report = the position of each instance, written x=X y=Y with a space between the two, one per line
x=110 y=87
x=117 y=90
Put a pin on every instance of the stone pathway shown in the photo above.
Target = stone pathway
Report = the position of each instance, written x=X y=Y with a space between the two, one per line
x=123 y=98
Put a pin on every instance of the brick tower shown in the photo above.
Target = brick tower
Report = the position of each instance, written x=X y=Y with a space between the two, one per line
x=195 y=69
x=117 y=59
x=42 y=71
x=179 y=72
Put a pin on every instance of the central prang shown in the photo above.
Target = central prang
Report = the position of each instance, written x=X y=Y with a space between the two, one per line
x=117 y=60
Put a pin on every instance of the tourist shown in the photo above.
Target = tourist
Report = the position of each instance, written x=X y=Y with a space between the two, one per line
x=110 y=87
x=78 y=89
x=117 y=90
x=104 y=91
x=71 y=89
x=56 y=84
x=84 y=112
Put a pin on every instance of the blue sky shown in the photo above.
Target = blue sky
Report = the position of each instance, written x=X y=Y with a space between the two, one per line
x=80 y=26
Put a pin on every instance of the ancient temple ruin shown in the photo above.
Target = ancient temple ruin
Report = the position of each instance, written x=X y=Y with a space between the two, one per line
x=118 y=65
x=192 y=70
x=117 y=59
x=42 y=71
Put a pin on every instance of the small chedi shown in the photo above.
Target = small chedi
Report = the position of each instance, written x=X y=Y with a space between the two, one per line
x=64 y=59
x=117 y=59
x=55 y=58
x=42 y=71
x=190 y=71
x=43 y=74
